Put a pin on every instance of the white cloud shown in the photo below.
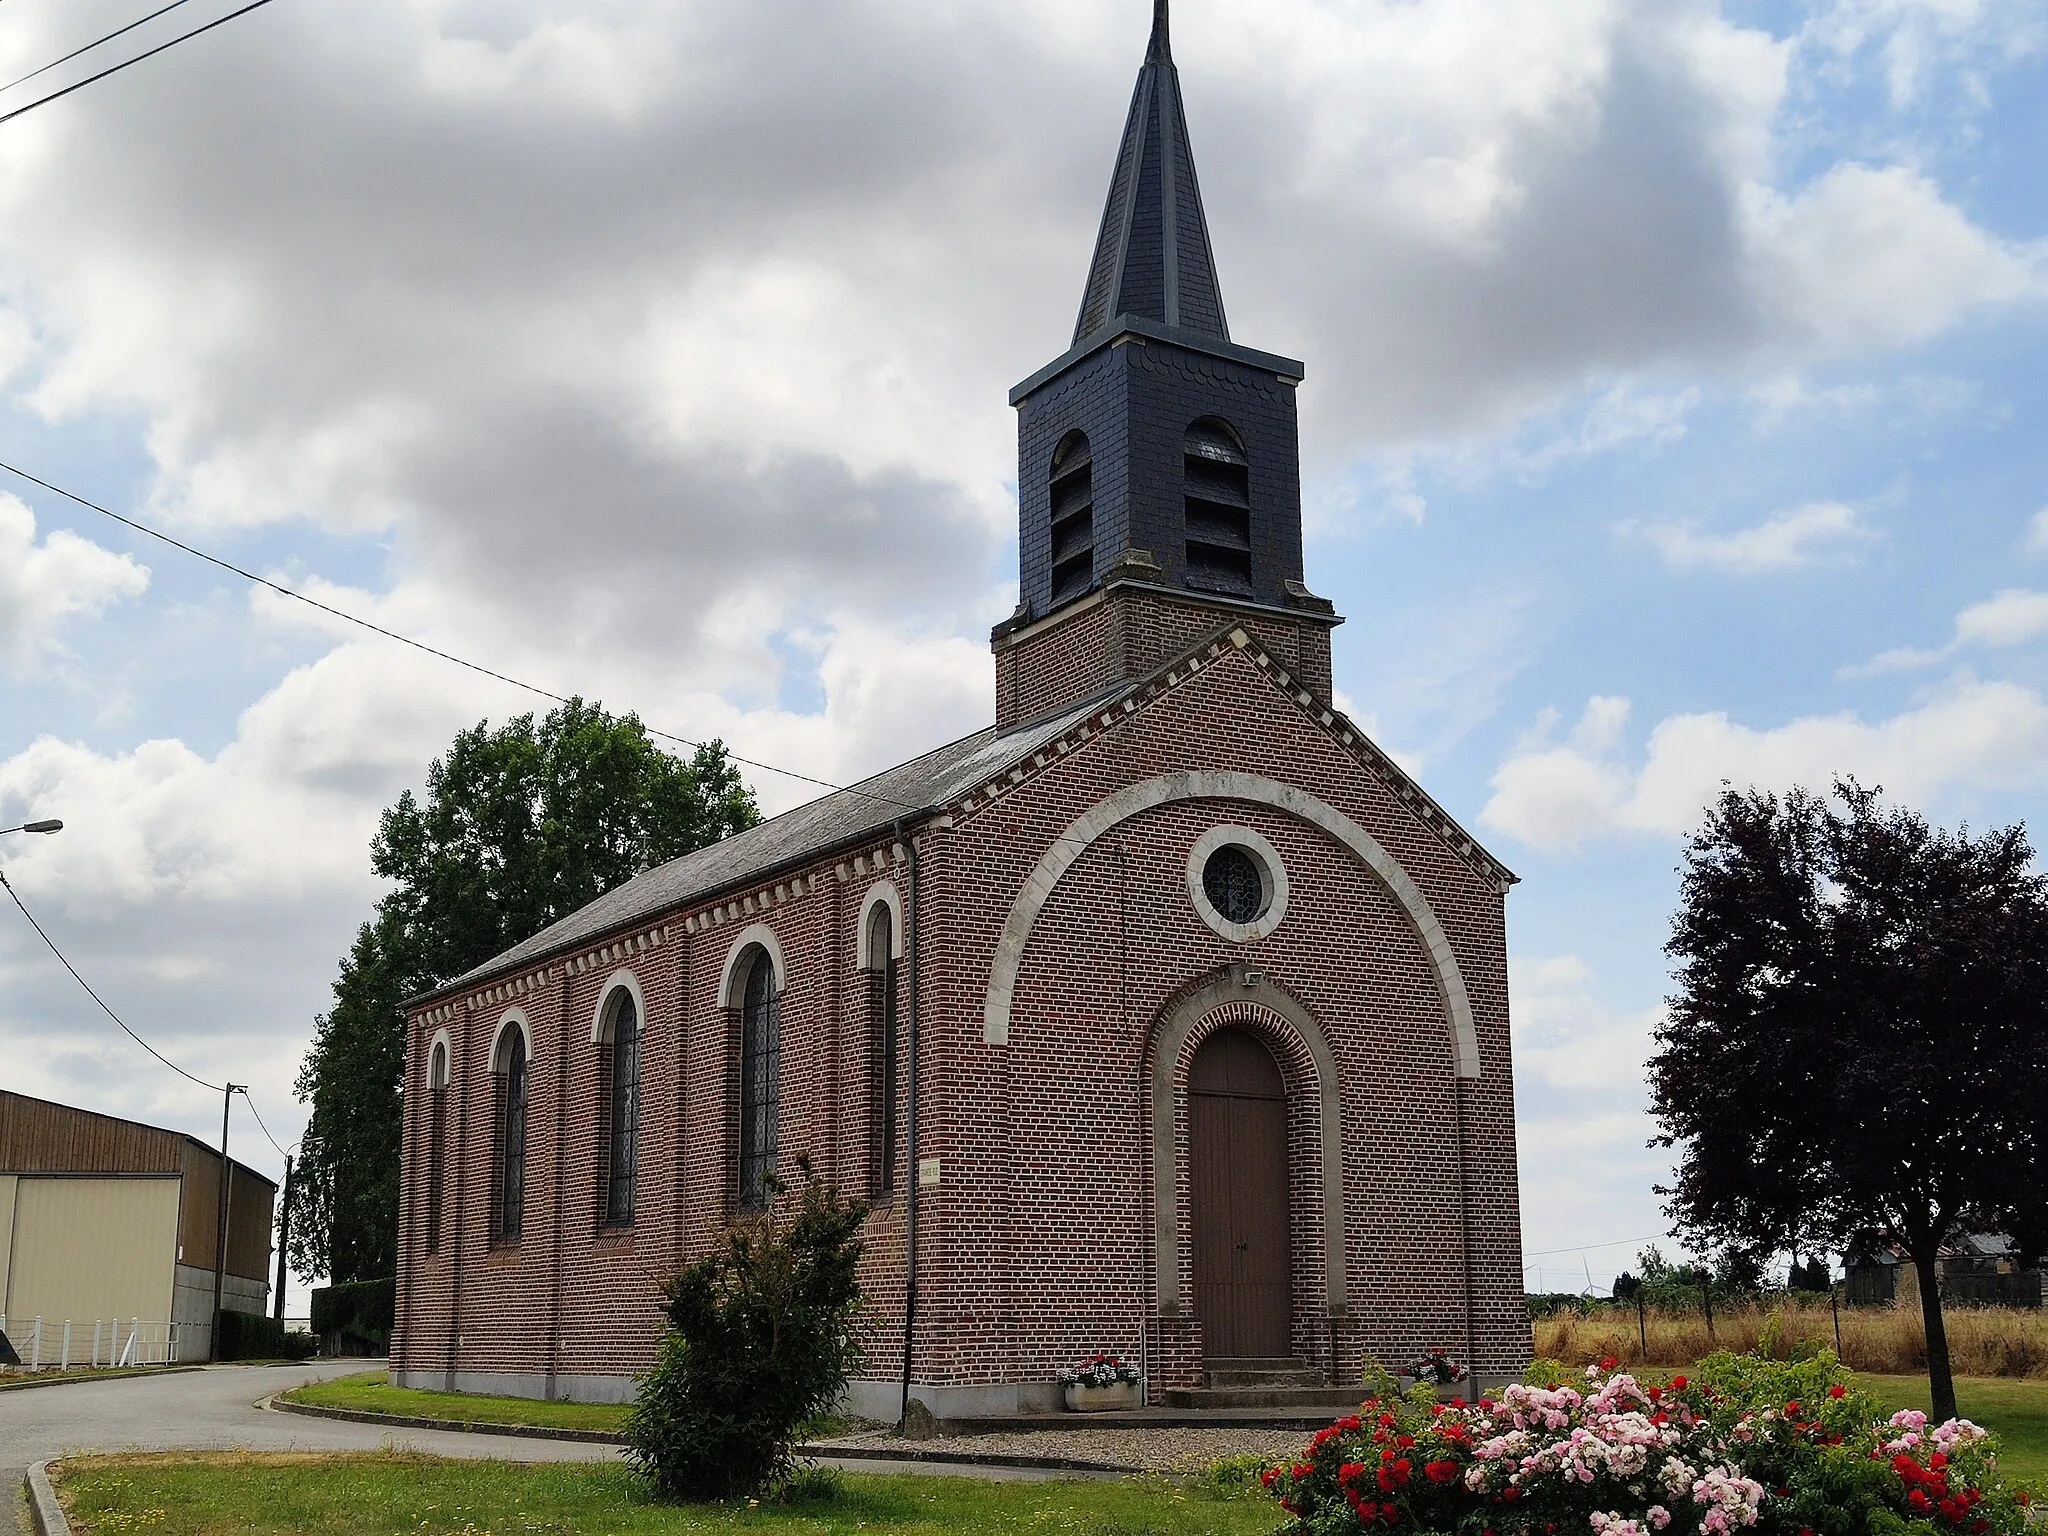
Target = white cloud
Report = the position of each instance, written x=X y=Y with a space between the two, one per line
x=1974 y=735
x=44 y=586
x=1870 y=258
x=1785 y=541
x=1916 y=38
x=1581 y=1099
x=1565 y=1037
x=2013 y=617
x=2037 y=533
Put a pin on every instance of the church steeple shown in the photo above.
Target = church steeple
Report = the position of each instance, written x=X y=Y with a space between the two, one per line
x=1152 y=257
x=1158 y=462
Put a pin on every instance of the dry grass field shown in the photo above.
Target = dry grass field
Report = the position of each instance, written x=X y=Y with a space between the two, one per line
x=1983 y=1341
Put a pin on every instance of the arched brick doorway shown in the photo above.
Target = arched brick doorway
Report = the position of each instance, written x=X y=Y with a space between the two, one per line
x=1238 y=1205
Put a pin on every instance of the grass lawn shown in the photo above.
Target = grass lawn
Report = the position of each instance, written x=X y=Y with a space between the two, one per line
x=2015 y=1409
x=394 y=1495
x=371 y=1393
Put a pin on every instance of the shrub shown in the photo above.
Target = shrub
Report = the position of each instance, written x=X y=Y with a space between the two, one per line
x=1780 y=1447
x=355 y=1318
x=760 y=1339
x=250 y=1336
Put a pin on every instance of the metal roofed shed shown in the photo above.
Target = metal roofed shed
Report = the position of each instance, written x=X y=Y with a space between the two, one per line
x=112 y=1226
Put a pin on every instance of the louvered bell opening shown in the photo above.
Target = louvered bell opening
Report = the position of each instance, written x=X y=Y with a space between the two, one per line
x=1217 y=504
x=1073 y=519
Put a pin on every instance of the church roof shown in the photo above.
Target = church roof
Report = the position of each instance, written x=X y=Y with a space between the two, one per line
x=1152 y=257
x=844 y=817
x=976 y=768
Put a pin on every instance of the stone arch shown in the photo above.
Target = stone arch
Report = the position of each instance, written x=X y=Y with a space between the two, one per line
x=733 y=978
x=441 y=1056
x=512 y=1018
x=602 y=1017
x=881 y=893
x=1169 y=788
x=1169 y=1052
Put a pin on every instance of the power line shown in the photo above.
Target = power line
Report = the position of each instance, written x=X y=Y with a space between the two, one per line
x=115 y=69
x=88 y=48
x=421 y=645
x=64 y=960
x=260 y=1125
x=159 y=1055
x=1619 y=1242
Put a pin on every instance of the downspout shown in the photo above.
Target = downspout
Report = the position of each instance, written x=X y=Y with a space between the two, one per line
x=460 y=1233
x=910 y=1185
x=562 y=1022
x=1465 y=1230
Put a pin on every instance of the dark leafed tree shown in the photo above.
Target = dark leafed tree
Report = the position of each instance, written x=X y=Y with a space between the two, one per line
x=519 y=826
x=1858 y=1049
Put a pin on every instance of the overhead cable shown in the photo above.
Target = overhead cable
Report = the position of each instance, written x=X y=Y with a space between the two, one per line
x=88 y=48
x=421 y=645
x=115 y=69
x=52 y=943
x=260 y=1125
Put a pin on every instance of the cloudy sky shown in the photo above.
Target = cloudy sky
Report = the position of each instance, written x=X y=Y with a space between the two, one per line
x=1675 y=414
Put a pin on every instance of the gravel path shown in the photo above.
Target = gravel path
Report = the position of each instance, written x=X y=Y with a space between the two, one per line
x=1182 y=1448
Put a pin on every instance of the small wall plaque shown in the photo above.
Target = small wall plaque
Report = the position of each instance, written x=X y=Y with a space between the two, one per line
x=927 y=1172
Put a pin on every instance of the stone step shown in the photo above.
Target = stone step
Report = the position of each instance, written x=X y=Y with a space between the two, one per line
x=1282 y=1372
x=1298 y=1399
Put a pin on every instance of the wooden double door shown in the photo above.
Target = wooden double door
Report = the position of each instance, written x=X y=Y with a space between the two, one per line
x=1237 y=1152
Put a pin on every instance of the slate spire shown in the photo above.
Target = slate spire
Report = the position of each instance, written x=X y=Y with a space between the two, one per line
x=1152 y=257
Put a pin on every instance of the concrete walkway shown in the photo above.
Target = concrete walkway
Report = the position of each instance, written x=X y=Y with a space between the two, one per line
x=215 y=1409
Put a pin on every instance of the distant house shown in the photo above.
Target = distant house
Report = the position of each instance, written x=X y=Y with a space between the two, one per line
x=1979 y=1270
x=113 y=1227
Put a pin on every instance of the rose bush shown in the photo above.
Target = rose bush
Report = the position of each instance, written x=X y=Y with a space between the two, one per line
x=1745 y=1445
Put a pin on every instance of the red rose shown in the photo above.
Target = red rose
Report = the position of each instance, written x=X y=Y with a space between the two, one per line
x=1838 y=1391
x=1609 y=1363
x=1441 y=1471
x=1678 y=1383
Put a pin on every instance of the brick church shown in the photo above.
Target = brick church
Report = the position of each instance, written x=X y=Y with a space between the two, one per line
x=1166 y=1016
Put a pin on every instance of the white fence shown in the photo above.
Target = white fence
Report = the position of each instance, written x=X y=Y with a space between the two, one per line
x=50 y=1345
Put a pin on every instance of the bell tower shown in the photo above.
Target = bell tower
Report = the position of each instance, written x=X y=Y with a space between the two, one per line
x=1159 y=462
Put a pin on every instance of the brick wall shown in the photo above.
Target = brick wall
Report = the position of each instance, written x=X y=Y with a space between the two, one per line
x=1128 y=631
x=1036 y=1245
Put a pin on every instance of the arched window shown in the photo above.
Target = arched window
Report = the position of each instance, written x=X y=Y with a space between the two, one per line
x=882 y=1078
x=1216 y=487
x=622 y=1110
x=1073 y=518
x=437 y=1139
x=760 y=1080
x=509 y=1214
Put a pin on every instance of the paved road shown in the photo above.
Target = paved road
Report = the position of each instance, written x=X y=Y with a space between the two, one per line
x=214 y=1409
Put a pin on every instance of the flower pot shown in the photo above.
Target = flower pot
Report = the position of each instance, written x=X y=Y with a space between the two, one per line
x=1109 y=1399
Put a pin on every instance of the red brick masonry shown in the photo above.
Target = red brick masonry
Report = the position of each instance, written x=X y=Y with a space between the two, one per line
x=1067 y=977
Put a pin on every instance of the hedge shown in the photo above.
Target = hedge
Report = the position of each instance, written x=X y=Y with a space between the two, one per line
x=355 y=1318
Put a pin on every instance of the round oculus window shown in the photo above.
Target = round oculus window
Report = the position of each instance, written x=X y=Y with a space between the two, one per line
x=1237 y=883
x=1234 y=884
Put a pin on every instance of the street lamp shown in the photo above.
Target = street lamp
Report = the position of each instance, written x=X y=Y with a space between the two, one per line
x=34 y=826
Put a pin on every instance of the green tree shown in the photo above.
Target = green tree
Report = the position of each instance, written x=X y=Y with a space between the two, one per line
x=520 y=826
x=1858 y=1048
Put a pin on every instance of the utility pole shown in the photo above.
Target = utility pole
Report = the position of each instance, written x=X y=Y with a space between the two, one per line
x=284 y=1236
x=225 y=1188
